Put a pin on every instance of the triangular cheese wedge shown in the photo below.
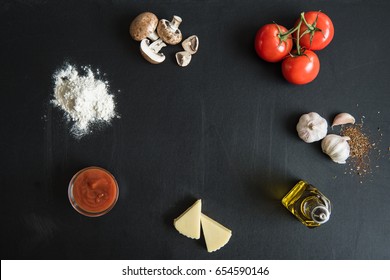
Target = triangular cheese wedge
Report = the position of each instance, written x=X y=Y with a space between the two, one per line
x=215 y=234
x=188 y=223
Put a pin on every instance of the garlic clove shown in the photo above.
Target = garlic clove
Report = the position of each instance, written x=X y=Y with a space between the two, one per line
x=343 y=118
x=336 y=147
x=312 y=127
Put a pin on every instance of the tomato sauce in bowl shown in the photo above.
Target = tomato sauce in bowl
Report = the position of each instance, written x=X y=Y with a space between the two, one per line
x=93 y=191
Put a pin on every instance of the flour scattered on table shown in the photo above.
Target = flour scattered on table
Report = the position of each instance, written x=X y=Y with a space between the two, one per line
x=85 y=99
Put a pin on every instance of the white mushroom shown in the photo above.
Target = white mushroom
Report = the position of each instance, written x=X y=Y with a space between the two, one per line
x=191 y=44
x=183 y=58
x=151 y=51
x=169 y=30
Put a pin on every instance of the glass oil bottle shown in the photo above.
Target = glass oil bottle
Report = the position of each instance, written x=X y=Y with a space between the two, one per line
x=308 y=204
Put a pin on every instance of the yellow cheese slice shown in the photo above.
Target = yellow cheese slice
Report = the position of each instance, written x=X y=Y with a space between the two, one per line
x=215 y=234
x=188 y=223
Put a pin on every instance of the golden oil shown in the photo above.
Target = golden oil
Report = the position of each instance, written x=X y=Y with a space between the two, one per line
x=308 y=204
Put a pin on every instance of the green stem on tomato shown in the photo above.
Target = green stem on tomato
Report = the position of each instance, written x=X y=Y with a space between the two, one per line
x=289 y=32
x=298 y=36
x=309 y=26
x=283 y=36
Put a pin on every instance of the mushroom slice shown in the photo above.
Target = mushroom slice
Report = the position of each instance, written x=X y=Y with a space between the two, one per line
x=169 y=31
x=151 y=51
x=183 y=58
x=343 y=118
x=191 y=44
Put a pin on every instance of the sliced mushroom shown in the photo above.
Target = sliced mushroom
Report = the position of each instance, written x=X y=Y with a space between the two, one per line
x=183 y=58
x=144 y=26
x=151 y=51
x=191 y=44
x=169 y=30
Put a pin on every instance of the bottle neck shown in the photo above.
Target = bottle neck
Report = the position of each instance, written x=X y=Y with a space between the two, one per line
x=315 y=208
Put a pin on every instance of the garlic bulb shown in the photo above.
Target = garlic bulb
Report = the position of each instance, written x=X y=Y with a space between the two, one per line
x=336 y=147
x=312 y=127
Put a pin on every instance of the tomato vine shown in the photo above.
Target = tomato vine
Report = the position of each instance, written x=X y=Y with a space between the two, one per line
x=312 y=31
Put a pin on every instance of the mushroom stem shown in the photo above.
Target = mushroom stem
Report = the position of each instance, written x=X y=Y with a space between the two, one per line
x=150 y=53
x=153 y=36
x=157 y=45
x=175 y=22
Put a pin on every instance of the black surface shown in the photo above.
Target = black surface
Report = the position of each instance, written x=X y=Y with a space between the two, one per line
x=222 y=129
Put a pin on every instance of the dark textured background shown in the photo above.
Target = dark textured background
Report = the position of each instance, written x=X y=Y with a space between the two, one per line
x=221 y=129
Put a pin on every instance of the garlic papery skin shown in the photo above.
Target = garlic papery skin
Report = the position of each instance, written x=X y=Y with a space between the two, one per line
x=343 y=118
x=336 y=147
x=312 y=127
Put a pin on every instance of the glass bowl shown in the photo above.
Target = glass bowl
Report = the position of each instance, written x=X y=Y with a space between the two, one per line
x=93 y=191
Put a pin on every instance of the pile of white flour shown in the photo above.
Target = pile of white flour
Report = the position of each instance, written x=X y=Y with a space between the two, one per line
x=84 y=99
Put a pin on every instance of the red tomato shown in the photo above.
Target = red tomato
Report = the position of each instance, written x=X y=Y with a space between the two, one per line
x=319 y=34
x=270 y=45
x=301 y=69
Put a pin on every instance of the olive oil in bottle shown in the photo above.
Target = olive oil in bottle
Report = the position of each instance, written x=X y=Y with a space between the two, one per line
x=308 y=204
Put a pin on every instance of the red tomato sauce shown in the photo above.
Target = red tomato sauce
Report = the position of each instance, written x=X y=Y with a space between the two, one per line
x=93 y=190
